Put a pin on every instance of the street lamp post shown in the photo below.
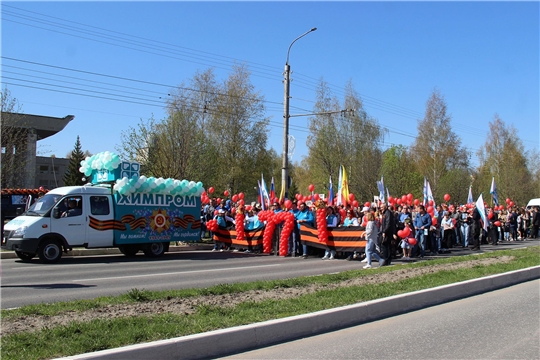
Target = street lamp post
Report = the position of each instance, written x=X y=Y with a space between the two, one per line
x=287 y=85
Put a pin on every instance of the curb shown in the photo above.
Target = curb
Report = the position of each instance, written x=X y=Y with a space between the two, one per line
x=111 y=251
x=249 y=337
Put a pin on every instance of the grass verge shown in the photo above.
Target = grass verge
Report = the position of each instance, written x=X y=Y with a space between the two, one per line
x=81 y=337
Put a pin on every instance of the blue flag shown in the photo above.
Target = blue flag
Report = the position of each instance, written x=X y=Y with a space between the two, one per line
x=493 y=192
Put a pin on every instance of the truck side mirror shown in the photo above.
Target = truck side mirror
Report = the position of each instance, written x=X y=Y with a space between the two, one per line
x=56 y=213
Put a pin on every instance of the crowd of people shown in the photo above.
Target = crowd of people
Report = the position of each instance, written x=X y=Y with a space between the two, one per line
x=451 y=226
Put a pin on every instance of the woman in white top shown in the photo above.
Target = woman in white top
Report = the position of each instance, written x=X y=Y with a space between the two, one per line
x=372 y=233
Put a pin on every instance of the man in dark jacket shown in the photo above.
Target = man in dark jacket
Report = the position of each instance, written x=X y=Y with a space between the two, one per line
x=476 y=229
x=535 y=223
x=388 y=228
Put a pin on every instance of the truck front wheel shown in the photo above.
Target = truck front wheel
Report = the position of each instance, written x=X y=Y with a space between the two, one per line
x=50 y=251
x=154 y=250
x=129 y=250
x=24 y=256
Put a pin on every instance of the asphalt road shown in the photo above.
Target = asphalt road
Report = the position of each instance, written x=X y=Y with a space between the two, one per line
x=503 y=324
x=86 y=277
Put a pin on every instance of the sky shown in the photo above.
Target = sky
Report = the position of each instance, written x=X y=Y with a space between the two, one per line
x=111 y=64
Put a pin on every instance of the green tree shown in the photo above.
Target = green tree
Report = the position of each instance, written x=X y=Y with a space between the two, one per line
x=400 y=173
x=437 y=149
x=73 y=176
x=504 y=158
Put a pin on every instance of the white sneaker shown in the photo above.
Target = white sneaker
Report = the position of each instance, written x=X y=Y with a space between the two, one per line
x=214 y=249
x=325 y=258
x=220 y=250
x=364 y=261
x=331 y=258
x=367 y=266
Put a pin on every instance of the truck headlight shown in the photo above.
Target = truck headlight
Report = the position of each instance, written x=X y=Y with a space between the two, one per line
x=20 y=231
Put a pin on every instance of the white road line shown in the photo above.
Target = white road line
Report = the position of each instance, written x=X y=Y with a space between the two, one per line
x=175 y=273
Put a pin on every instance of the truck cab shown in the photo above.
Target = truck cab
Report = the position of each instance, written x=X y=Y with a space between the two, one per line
x=59 y=221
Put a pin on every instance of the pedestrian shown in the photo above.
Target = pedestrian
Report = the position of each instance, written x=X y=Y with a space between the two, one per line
x=422 y=223
x=535 y=222
x=476 y=229
x=388 y=229
x=372 y=233
x=331 y=222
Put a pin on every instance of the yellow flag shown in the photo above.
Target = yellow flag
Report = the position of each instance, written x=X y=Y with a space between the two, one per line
x=345 y=186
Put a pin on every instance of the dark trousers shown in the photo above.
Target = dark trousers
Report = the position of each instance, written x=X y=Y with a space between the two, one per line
x=386 y=249
x=493 y=234
x=534 y=231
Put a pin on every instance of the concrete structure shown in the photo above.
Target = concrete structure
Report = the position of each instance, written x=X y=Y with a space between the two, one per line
x=20 y=134
x=50 y=172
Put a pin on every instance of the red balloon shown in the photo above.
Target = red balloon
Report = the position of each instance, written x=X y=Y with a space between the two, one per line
x=406 y=232
x=398 y=201
x=430 y=210
x=400 y=234
x=391 y=200
x=241 y=195
x=434 y=220
x=497 y=223
x=210 y=189
x=416 y=202
x=367 y=204
x=511 y=203
x=316 y=197
x=351 y=197
x=311 y=187
x=431 y=202
x=226 y=193
x=404 y=198
x=411 y=241
x=235 y=198
x=218 y=200
x=288 y=204
x=508 y=200
x=490 y=215
x=409 y=197
x=305 y=198
x=355 y=203
x=240 y=202
x=446 y=197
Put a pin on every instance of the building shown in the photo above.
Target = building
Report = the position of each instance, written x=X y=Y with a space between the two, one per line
x=19 y=163
x=50 y=172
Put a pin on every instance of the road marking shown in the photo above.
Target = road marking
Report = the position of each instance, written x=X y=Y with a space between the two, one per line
x=175 y=273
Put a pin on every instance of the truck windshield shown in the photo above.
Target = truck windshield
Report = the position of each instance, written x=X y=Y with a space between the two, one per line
x=43 y=204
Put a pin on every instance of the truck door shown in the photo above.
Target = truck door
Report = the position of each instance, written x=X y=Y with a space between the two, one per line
x=72 y=220
x=100 y=228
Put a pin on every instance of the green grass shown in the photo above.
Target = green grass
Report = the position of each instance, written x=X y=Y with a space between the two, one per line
x=99 y=334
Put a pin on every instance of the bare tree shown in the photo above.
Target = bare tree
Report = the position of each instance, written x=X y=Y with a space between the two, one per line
x=437 y=148
x=14 y=141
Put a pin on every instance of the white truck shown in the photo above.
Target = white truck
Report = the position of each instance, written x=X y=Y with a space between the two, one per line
x=112 y=211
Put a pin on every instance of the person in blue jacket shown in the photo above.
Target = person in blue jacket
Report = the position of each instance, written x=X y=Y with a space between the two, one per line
x=422 y=223
x=303 y=216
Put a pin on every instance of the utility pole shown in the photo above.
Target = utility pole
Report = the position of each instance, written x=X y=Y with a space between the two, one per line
x=285 y=156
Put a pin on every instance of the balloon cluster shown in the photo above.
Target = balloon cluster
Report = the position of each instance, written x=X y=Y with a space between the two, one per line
x=320 y=219
x=142 y=184
x=240 y=229
x=288 y=226
x=101 y=161
x=212 y=225
x=268 y=216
